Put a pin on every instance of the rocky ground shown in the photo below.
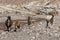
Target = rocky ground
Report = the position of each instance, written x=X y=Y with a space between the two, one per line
x=35 y=31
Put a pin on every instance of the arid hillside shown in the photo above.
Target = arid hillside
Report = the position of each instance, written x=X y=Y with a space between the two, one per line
x=27 y=1
x=15 y=1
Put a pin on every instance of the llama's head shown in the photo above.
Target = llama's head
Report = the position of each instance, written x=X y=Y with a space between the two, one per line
x=9 y=17
x=53 y=12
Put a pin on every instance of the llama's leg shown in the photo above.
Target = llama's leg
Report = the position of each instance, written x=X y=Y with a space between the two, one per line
x=52 y=19
x=18 y=27
x=29 y=21
x=47 y=23
x=8 y=28
x=15 y=28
